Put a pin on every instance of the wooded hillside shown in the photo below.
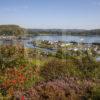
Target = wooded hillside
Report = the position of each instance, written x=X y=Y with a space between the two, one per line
x=11 y=30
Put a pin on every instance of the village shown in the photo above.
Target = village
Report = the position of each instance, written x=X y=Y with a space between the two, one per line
x=71 y=48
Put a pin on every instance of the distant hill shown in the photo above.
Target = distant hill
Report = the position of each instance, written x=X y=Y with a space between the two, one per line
x=11 y=30
x=17 y=30
x=65 y=31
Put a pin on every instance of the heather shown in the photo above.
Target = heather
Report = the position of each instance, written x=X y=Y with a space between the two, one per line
x=31 y=74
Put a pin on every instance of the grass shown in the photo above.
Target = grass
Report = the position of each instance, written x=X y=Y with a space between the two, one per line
x=38 y=62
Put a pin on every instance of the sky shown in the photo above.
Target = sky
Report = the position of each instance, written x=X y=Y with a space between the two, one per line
x=48 y=14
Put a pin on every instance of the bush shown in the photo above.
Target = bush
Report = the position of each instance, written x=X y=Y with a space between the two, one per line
x=63 y=89
x=11 y=56
x=95 y=92
x=88 y=67
x=59 y=69
x=97 y=71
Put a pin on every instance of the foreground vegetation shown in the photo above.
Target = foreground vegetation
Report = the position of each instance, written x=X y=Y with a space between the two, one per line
x=31 y=74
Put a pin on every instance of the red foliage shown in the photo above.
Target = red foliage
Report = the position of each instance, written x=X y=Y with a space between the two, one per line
x=14 y=77
x=22 y=98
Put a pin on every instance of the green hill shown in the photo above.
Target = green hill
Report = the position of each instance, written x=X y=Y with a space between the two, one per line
x=11 y=30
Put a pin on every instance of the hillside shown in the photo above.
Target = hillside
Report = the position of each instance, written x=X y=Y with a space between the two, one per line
x=65 y=31
x=11 y=30
x=17 y=30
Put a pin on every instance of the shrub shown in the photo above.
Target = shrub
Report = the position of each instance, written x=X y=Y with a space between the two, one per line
x=96 y=93
x=11 y=56
x=88 y=67
x=63 y=89
x=97 y=71
x=59 y=69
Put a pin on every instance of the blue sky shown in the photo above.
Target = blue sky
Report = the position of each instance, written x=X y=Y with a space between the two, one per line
x=68 y=14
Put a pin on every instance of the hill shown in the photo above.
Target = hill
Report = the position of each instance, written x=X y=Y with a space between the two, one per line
x=11 y=30
x=17 y=30
x=65 y=31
